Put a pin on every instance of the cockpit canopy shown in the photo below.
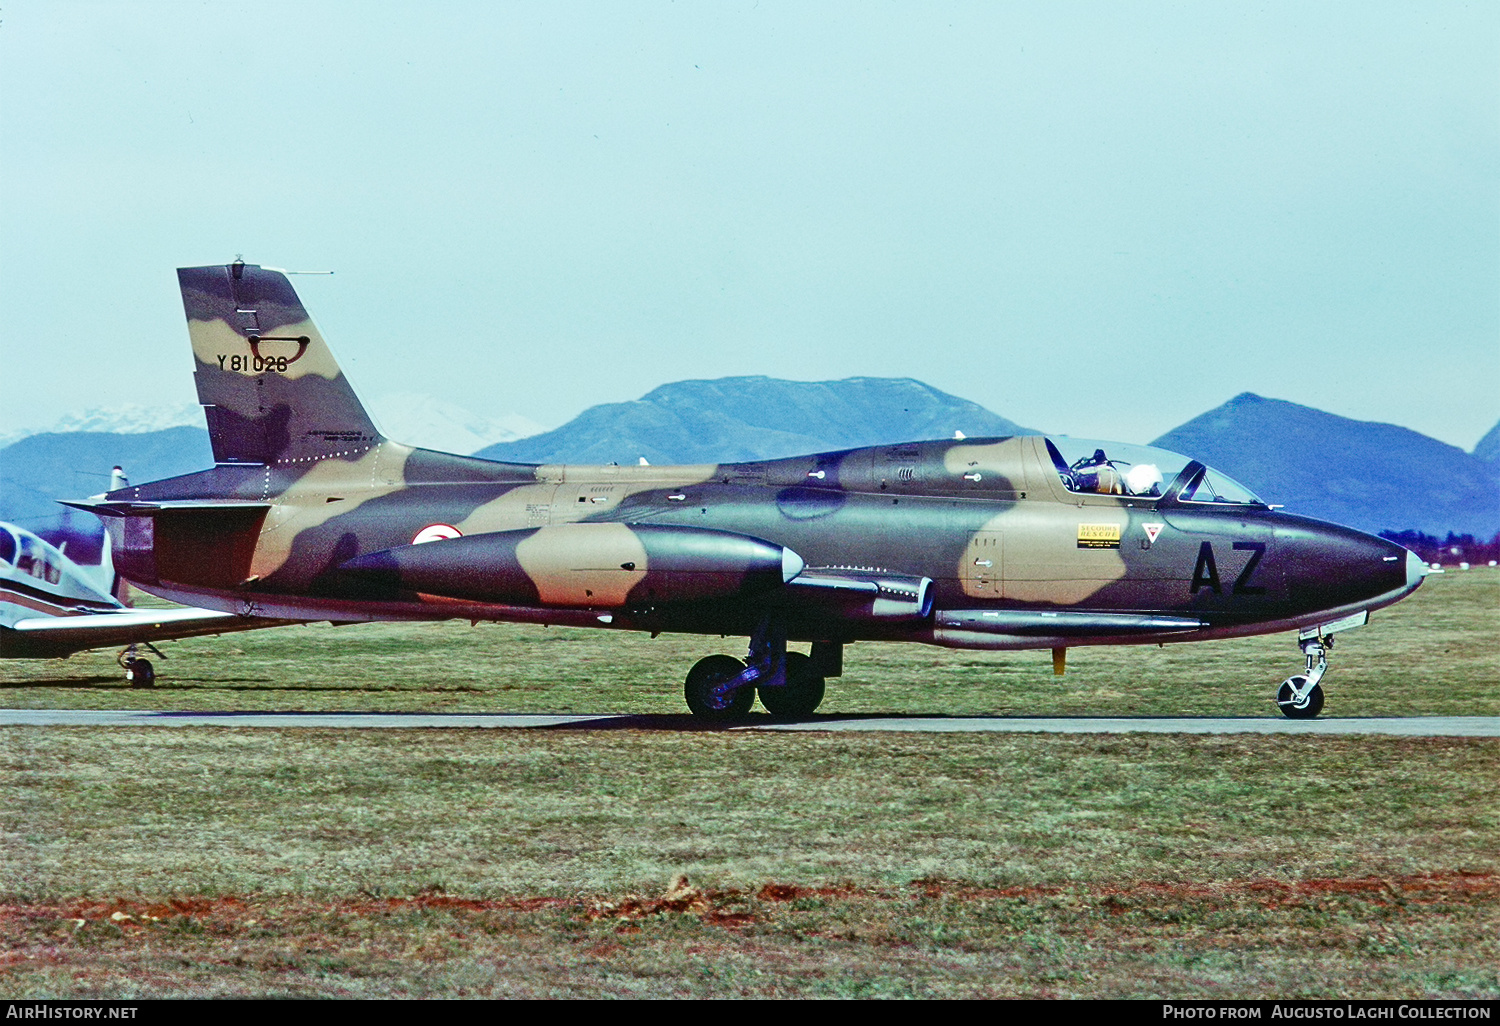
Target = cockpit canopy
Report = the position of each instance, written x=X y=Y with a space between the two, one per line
x=30 y=555
x=1092 y=467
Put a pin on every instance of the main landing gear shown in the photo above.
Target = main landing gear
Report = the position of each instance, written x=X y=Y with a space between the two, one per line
x=714 y=691
x=721 y=688
x=1300 y=696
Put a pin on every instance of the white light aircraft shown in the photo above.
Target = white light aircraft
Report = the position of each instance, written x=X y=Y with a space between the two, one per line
x=51 y=607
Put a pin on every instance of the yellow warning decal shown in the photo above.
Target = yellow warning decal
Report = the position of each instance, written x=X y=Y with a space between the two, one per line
x=1098 y=536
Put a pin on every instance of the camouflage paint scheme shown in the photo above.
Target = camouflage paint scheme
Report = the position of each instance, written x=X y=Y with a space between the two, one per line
x=311 y=514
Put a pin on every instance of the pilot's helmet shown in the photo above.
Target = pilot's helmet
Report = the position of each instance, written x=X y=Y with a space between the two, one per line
x=1143 y=479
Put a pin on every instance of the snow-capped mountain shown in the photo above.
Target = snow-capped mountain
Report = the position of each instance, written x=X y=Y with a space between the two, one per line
x=129 y=419
x=410 y=417
x=426 y=421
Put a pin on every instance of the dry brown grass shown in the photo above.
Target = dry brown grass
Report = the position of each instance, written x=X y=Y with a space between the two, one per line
x=1425 y=936
x=476 y=862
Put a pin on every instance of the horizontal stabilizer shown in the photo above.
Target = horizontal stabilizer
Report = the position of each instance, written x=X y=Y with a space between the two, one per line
x=133 y=619
x=126 y=508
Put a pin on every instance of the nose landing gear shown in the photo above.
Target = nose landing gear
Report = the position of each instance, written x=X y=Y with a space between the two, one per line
x=138 y=670
x=1301 y=696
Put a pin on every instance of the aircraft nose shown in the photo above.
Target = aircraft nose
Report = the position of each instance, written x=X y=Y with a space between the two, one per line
x=1333 y=566
x=1416 y=569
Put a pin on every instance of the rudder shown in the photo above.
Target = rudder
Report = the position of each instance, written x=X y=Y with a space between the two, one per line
x=269 y=385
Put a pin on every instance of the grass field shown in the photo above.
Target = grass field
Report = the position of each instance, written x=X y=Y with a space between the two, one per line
x=150 y=862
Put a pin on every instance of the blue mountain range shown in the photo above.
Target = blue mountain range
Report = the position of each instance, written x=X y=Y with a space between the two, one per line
x=1368 y=475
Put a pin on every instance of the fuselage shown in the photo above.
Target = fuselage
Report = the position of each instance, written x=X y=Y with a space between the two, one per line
x=978 y=527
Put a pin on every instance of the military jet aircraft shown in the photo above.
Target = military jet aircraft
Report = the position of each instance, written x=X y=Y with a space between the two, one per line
x=996 y=543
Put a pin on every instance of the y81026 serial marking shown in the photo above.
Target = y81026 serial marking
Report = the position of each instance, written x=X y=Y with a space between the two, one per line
x=255 y=364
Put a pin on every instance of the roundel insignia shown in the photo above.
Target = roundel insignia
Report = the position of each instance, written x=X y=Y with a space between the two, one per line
x=436 y=532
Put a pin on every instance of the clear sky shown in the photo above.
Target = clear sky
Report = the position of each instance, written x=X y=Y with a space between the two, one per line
x=1098 y=218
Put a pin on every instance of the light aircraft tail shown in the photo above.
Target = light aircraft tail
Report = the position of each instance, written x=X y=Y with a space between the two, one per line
x=103 y=577
x=270 y=387
x=110 y=578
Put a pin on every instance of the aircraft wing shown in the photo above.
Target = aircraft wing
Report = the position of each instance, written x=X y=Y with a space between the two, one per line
x=42 y=636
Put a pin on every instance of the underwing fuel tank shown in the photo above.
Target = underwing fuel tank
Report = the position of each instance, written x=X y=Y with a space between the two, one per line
x=593 y=566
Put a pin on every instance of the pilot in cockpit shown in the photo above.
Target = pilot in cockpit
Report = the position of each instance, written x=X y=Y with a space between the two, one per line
x=1099 y=475
x=1096 y=474
x=1143 y=479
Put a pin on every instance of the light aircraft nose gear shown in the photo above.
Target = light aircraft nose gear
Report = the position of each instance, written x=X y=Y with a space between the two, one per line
x=1301 y=696
x=139 y=672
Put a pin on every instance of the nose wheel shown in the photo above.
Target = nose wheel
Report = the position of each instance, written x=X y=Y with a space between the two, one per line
x=138 y=670
x=1300 y=697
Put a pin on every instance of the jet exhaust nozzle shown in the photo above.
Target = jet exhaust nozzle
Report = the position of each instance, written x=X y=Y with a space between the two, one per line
x=590 y=566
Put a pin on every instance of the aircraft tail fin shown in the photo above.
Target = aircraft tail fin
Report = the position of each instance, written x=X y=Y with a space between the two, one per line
x=269 y=385
x=103 y=577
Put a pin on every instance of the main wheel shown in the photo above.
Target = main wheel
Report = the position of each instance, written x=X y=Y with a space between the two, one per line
x=703 y=696
x=801 y=693
x=1311 y=704
x=140 y=673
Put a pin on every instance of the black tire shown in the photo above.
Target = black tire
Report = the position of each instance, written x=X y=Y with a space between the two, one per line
x=140 y=673
x=706 y=675
x=800 y=696
x=1311 y=705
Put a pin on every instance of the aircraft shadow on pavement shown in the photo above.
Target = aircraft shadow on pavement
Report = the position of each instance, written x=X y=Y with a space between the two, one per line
x=685 y=722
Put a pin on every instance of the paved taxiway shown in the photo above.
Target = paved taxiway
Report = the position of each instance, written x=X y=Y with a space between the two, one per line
x=1403 y=726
